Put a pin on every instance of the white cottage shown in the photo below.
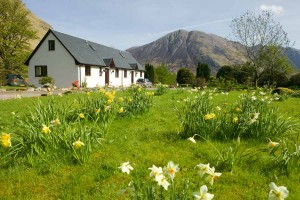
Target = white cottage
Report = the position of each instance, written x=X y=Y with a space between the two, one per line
x=66 y=59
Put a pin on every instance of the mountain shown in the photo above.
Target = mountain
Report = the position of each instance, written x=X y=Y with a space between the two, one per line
x=185 y=49
x=38 y=25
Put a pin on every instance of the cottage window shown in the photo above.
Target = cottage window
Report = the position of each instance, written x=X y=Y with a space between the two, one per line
x=125 y=73
x=117 y=73
x=100 y=71
x=51 y=45
x=141 y=74
x=40 y=71
x=87 y=70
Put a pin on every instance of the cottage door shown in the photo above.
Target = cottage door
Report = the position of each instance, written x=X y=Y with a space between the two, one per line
x=106 y=76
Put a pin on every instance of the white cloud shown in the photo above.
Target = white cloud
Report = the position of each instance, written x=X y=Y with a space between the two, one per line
x=277 y=10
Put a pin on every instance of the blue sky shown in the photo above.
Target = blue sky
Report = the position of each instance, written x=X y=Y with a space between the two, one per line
x=126 y=23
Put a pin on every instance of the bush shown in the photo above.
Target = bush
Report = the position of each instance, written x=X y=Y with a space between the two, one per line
x=185 y=76
x=46 y=80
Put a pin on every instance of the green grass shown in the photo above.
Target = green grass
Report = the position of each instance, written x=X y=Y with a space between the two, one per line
x=149 y=139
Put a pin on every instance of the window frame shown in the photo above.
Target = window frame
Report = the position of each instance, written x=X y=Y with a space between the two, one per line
x=43 y=72
x=51 y=45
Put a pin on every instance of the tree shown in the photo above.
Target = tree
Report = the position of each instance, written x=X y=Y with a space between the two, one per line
x=257 y=34
x=149 y=74
x=225 y=72
x=15 y=33
x=185 y=76
x=203 y=71
x=164 y=76
x=295 y=80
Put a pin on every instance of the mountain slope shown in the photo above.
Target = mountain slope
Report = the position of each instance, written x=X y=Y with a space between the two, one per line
x=185 y=49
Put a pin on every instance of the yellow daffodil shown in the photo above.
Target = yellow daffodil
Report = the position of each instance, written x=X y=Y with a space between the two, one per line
x=120 y=99
x=121 y=110
x=106 y=108
x=55 y=122
x=235 y=120
x=46 y=129
x=203 y=195
x=78 y=144
x=98 y=111
x=81 y=115
x=126 y=167
x=139 y=89
x=109 y=101
x=102 y=90
x=6 y=140
x=88 y=93
x=237 y=109
x=278 y=192
x=129 y=100
x=209 y=116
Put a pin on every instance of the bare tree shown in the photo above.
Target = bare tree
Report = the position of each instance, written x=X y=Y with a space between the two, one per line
x=257 y=34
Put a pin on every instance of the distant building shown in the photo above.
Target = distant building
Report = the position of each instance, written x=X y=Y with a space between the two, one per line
x=66 y=59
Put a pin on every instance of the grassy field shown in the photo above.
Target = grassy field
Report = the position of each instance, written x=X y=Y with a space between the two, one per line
x=153 y=138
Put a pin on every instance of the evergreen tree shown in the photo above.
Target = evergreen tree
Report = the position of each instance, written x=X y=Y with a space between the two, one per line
x=185 y=76
x=150 y=74
x=203 y=71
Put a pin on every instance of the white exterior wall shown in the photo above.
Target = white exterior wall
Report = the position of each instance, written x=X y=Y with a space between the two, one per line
x=94 y=79
x=60 y=64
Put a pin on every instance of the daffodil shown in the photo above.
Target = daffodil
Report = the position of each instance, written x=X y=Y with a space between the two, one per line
x=202 y=194
x=120 y=99
x=88 y=93
x=171 y=169
x=109 y=101
x=55 y=122
x=164 y=183
x=278 y=192
x=78 y=144
x=106 y=108
x=209 y=116
x=155 y=171
x=235 y=120
x=139 y=89
x=102 y=90
x=46 y=129
x=212 y=175
x=98 y=111
x=125 y=167
x=204 y=169
x=272 y=144
x=6 y=140
x=192 y=140
x=129 y=100
x=121 y=110
x=81 y=115
x=237 y=109
x=218 y=108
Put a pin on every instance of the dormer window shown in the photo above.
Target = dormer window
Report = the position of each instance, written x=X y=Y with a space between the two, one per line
x=51 y=45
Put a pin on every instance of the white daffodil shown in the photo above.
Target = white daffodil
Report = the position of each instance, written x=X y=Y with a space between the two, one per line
x=164 y=183
x=171 y=169
x=192 y=139
x=212 y=175
x=155 y=171
x=204 y=169
x=272 y=144
x=278 y=192
x=203 y=195
x=125 y=167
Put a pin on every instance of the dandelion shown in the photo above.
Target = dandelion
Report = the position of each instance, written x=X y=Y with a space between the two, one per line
x=272 y=144
x=204 y=169
x=278 y=192
x=125 y=167
x=121 y=110
x=202 y=194
x=81 y=115
x=55 y=122
x=212 y=175
x=6 y=140
x=98 y=111
x=235 y=120
x=78 y=144
x=46 y=129
x=171 y=169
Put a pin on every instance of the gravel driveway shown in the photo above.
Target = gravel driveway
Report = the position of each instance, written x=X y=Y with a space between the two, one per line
x=18 y=94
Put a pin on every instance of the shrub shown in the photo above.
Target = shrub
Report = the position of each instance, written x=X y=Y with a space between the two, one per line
x=46 y=80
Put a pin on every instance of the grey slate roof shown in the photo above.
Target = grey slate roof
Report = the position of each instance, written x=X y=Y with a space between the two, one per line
x=90 y=53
